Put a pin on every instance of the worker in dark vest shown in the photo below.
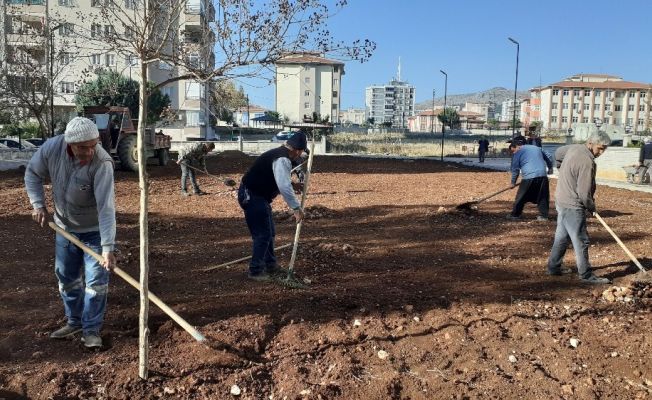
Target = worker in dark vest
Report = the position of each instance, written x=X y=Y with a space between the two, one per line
x=267 y=177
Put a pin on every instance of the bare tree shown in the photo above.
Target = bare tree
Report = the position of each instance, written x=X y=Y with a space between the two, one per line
x=234 y=38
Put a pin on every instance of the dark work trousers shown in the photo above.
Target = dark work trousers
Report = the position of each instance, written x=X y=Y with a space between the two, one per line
x=647 y=164
x=481 y=154
x=258 y=214
x=571 y=225
x=535 y=190
x=187 y=172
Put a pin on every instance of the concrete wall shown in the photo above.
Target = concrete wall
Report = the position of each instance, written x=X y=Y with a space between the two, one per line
x=251 y=147
x=611 y=163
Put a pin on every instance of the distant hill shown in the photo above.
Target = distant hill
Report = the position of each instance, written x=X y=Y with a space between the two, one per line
x=494 y=95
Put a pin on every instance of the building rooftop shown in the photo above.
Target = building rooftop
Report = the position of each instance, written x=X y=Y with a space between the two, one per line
x=601 y=85
x=307 y=58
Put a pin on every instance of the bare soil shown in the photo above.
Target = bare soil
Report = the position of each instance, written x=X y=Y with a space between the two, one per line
x=407 y=299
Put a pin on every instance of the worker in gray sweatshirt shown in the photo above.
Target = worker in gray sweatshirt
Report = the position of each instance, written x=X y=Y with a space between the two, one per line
x=81 y=172
x=573 y=200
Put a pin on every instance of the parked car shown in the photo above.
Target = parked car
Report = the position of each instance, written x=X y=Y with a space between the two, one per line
x=35 y=141
x=2 y=146
x=14 y=144
x=282 y=136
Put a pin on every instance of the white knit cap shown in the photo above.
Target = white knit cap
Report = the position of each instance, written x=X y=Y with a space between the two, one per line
x=81 y=129
x=647 y=139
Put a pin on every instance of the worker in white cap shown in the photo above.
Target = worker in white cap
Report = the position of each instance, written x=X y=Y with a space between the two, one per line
x=81 y=172
x=645 y=160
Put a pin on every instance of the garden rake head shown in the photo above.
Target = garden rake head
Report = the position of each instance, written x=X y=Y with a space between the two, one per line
x=291 y=281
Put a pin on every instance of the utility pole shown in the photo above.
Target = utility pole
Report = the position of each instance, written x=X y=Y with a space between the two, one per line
x=432 y=117
x=443 y=124
x=515 y=87
x=247 y=112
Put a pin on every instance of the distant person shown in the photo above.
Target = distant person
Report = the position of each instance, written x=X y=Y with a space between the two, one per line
x=268 y=177
x=81 y=173
x=193 y=155
x=573 y=200
x=483 y=148
x=645 y=160
x=534 y=166
x=533 y=140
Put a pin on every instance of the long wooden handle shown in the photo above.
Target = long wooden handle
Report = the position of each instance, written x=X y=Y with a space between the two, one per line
x=622 y=245
x=285 y=246
x=219 y=178
x=297 y=233
x=122 y=274
x=495 y=194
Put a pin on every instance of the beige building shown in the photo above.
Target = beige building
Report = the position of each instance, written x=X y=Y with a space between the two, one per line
x=352 y=116
x=594 y=98
x=308 y=83
x=49 y=28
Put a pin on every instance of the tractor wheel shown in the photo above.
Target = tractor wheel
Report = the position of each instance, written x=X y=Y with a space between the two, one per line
x=127 y=153
x=163 y=157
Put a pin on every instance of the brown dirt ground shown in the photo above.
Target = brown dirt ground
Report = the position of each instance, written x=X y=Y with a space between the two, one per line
x=448 y=297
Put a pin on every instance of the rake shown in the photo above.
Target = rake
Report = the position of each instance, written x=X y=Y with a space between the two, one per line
x=469 y=204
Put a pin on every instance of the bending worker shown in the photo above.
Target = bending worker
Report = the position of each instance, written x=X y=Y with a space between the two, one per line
x=82 y=186
x=267 y=177
x=193 y=155
x=534 y=165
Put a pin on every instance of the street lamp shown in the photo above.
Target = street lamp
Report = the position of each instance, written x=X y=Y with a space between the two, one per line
x=443 y=124
x=51 y=73
x=515 y=87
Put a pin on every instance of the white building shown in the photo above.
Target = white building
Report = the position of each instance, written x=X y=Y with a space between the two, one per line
x=507 y=110
x=591 y=98
x=79 y=52
x=392 y=103
x=353 y=116
x=308 y=83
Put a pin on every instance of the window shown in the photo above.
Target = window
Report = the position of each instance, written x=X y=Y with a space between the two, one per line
x=555 y=92
x=192 y=118
x=66 y=29
x=629 y=121
x=66 y=3
x=336 y=68
x=632 y=95
x=306 y=93
x=66 y=87
x=554 y=106
x=131 y=4
x=194 y=61
x=596 y=106
x=334 y=107
x=597 y=93
x=99 y=3
x=110 y=59
x=96 y=30
x=618 y=107
x=610 y=93
x=334 y=94
x=564 y=106
x=129 y=32
x=109 y=30
x=630 y=107
x=619 y=94
x=65 y=58
x=576 y=106
x=576 y=92
x=306 y=105
x=564 y=120
x=164 y=66
x=607 y=107
x=336 y=82
x=306 y=80
x=616 y=121
x=565 y=93
x=167 y=91
x=642 y=94
x=131 y=60
x=193 y=90
x=586 y=106
x=96 y=59
x=553 y=120
x=640 y=122
x=641 y=107
x=585 y=120
x=575 y=119
x=587 y=92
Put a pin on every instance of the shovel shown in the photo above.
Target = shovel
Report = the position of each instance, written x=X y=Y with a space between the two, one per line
x=227 y=181
x=468 y=204
x=620 y=243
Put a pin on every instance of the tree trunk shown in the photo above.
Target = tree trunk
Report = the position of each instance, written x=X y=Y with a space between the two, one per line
x=143 y=348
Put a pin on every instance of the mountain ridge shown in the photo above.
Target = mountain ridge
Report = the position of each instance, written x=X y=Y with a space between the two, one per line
x=494 y=95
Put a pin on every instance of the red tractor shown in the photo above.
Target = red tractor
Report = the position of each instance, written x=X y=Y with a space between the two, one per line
x=118 y=136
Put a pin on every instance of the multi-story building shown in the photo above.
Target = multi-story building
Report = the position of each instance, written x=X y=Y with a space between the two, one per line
x=243 y=116
x=484 y=109
x=392 y=103
x=595 y=98
x=507 y=110
x=308 y=83
x=75 y=49
x=352 y=116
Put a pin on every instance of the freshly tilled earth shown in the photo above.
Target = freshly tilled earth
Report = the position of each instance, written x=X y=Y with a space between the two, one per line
x=407 y=298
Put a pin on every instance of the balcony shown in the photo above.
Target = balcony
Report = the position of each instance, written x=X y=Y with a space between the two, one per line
x=25 y=7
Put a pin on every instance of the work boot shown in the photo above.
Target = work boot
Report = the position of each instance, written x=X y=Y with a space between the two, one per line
x=199 y=192
x=513 y=218
x=594 y=279
x=92 y=340
x=542 y=218
x=185 y=193
x=560 y=272
x=259 y=277
x=65 y=332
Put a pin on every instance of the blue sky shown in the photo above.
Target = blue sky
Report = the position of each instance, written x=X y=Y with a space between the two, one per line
x=468 y=39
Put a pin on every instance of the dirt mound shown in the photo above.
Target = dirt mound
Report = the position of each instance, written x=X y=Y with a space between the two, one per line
x=310 y=212
x=635 y=291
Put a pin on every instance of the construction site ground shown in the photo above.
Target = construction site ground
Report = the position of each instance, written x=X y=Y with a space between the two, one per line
x=406 y=298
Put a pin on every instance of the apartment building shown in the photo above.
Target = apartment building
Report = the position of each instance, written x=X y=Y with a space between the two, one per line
x=507 y=110
x=595 y=98
x=308 y=83
x=75 y=50
x=392 y=103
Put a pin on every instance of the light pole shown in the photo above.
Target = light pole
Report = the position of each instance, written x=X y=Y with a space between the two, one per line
x=443 y=123
x=515 y=87
x=51 y=74
x=432 y=119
